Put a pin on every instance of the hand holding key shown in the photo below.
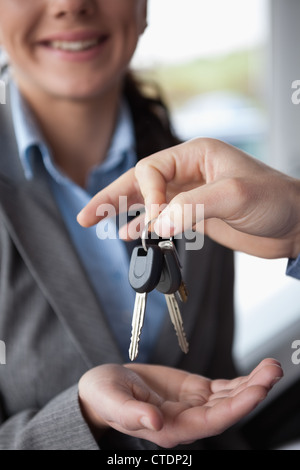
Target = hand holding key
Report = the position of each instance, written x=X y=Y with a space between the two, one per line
x=168 y=406
x=248 y=206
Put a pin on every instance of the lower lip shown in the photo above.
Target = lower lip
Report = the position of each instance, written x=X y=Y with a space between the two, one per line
x=77 y=56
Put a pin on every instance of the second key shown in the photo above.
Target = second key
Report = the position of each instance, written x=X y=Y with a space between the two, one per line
x=170 y=283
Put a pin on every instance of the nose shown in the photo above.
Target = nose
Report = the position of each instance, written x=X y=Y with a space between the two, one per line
x=64 y=8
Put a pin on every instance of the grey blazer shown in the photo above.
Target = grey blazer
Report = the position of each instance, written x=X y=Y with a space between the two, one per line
x=53 y=326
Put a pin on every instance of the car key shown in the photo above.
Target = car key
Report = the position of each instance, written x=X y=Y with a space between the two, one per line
x=170 y=283
x=144 y=274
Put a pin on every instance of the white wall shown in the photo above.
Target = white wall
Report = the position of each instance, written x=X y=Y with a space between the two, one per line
x=285 y=69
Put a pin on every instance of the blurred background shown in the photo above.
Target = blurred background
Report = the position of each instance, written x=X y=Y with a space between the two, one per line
x=209 y=59
x=226 y=69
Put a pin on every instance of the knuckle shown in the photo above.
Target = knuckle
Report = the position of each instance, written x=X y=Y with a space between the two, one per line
x=142 y=166
x=239 y=188
x=181 y=199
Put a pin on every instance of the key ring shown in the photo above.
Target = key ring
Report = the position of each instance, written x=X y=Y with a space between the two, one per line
x=147 y=231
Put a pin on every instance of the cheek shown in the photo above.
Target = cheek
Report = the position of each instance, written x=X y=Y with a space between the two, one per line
x=18 y=22
x=12 y=41
x=128 y=35
x=128 y=21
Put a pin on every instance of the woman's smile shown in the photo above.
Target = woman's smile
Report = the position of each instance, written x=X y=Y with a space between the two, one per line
x=77 y=46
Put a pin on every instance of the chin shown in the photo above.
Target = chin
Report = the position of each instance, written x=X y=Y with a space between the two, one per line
x=84 y=89
x=71 y=93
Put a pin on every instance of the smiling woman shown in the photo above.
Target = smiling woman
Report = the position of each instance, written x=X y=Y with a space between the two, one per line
x=87 y=43
x=41 y=46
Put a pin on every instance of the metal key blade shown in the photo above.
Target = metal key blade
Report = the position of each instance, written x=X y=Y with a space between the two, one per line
x=137 y=324
x=176 y=319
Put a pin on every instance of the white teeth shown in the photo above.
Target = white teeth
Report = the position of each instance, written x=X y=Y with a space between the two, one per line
x=75 y=45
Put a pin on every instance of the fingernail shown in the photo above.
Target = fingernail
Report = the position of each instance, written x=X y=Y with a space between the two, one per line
x=145 y=422
x=164 y=226
x=80 y=217
x=275 y=381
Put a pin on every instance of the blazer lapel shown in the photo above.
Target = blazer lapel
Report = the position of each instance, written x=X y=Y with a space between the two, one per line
x=39 y=233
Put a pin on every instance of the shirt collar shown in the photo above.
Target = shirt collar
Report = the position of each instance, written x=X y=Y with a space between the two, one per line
x=29 y=135
x=26 y=129
x=123 y=141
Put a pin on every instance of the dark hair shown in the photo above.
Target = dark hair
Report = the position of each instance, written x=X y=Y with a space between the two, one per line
x=153 y=129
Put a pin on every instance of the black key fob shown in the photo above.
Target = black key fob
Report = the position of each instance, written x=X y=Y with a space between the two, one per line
x=170 y=279
x=145 y=268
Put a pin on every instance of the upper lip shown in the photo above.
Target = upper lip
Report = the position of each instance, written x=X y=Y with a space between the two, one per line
x=73 y=36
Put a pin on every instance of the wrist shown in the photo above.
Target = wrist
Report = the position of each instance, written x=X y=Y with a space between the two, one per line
x=295 y=251
x=295 y=232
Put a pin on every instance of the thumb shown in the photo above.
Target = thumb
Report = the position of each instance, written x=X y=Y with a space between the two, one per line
x=133 y=415
x=126 y=404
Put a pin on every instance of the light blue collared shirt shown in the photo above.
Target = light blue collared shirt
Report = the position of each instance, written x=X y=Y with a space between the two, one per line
x=106 y=261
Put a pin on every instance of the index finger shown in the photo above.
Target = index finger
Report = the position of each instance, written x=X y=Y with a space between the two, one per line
x=150 y=184
x=125 y=185
x=147 y=182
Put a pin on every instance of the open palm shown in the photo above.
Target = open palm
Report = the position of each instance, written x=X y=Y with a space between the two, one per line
x=168 y=406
